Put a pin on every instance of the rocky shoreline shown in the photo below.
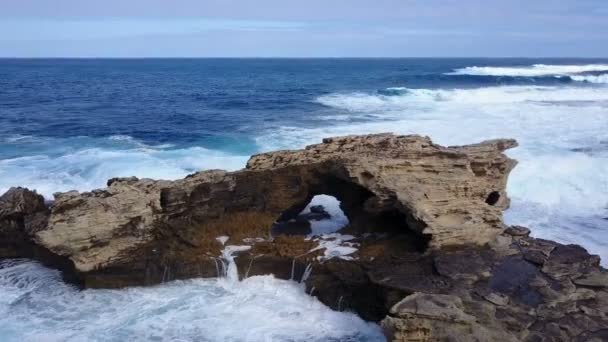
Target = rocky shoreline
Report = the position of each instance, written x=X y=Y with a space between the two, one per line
x=429 y=255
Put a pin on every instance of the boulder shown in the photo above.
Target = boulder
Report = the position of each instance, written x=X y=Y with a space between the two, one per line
x=434 y=317
x=22 y=214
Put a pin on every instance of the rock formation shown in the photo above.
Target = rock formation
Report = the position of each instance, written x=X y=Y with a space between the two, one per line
x=453 y=196
x=22 y=214
x=432 y=258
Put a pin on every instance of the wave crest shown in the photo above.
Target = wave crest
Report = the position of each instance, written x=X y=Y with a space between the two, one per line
x=405 y=98
x=89 y=168
x=530 y=71
x=603 y=78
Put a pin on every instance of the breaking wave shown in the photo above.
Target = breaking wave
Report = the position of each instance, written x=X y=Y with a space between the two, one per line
x=560 y=186
x=82 y=163
x=37 y=306
x=404 y=98
x=530 y=71
x=603 y=78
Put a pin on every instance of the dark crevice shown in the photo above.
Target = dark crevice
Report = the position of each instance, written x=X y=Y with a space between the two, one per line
x=493 y=198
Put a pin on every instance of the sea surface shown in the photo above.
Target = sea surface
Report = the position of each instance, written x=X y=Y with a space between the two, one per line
x=72 y=124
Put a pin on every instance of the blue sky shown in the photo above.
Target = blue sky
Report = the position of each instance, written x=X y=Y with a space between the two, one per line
x=312 y=28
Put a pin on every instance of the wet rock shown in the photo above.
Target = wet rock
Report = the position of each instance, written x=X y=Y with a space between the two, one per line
x=517 y=231
x=431 y=262
x=512 y=277
x=409 y=176
x=314 y=216
x=318 y=209
x=468 y=264
x=570 y=261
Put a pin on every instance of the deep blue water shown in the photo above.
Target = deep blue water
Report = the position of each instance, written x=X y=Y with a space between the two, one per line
x=213 y=103
x=72 y=124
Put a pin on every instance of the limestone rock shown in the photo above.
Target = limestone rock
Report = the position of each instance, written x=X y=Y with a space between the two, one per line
x=426 y=220
x=455 y=194
x=19 y=202
x=433 y=306
x=452 y=195
x=22 y=213
x=425 y=317
x=517 y=231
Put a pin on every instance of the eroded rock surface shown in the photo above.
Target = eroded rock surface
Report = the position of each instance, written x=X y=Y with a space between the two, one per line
x=428 y=253
x=501 y=296
x=450 y=195
x=22 y=214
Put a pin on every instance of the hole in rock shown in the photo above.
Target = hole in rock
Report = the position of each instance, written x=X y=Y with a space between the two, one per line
x=336 y=205
x=493 y=198
x=322 y=215
x=366 y=175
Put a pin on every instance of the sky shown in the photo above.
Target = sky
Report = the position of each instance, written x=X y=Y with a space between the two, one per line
x=311 y=28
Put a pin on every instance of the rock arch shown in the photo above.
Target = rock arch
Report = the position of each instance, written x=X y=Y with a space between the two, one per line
x=438 y=192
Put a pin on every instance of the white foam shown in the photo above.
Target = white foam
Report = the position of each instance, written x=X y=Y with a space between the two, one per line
x=120 y=137
x=337 y=218
x=134 y=142
x=603 y=78
x=88 y=169
x=421 y=99
x=335 y=245
x=530 y=71
x=35 y=305
x=18 y=138
x=222 y=239
x=550 y=123
x=228 y=255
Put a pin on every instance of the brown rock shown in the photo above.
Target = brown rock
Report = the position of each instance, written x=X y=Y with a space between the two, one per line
x=517 y=231
x=570 y=261
x=425 y=317
x=598 y=279
x=431 y=262
x=22 y=214
x=453 y=195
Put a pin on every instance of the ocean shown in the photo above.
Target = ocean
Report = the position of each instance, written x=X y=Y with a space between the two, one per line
x=70 y=124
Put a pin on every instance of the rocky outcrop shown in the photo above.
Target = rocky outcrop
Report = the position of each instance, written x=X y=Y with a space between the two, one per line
x=429 y=255
x=496 y=294
x=22 y=214
x=449 y=195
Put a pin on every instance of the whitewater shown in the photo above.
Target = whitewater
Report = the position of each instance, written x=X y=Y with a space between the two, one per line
x=560 y=186
x=558 y=112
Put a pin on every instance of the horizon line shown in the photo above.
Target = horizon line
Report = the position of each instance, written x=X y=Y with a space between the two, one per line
x=305 y=57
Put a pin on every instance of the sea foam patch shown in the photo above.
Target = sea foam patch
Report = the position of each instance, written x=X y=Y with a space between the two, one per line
x=602 y=79
x=68 y=167
x=561 y=181
x=35 y=305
